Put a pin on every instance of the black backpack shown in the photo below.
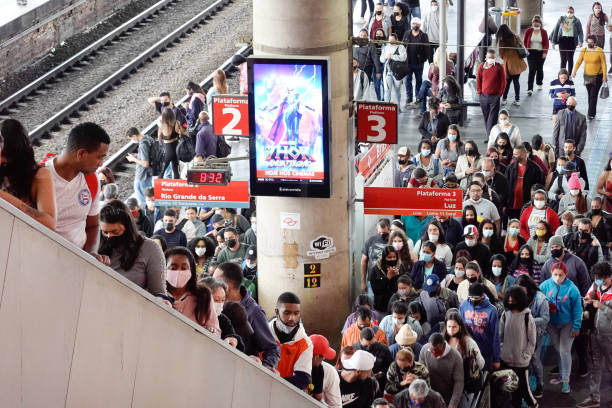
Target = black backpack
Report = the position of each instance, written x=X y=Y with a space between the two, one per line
x=185 y=151
x=223 y=149
x=156 y=156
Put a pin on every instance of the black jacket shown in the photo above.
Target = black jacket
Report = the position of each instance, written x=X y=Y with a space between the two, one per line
x=144 y=224
x=441 y=128
x=418 y=272
x=585 y=251
x=479 y=253
x=581 y=167
x=418 y=47
x=533 y=175
x=603 y=230
x=499 y=184
x=382 y=287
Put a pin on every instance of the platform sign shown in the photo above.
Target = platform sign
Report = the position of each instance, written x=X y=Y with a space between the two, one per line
x=377 y=122
x=312 y=275
x=230 y=115
x=413 y=201
x=370 y=161
x=175 y=192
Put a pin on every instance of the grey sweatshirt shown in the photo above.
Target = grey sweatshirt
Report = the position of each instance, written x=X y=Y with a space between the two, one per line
x=519 y=344
x=445 y=373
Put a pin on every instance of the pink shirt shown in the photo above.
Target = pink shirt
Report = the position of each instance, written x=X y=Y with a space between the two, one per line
x=187 y=305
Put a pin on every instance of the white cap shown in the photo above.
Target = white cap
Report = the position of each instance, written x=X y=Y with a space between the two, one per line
x=415 y=20
x=361 y=361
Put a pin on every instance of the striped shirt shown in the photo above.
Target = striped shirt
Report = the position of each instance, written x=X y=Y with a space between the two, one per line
x=555 y=87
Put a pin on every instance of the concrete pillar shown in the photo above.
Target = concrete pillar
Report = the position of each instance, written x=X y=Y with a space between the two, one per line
x=442 y=66
x=306 y=27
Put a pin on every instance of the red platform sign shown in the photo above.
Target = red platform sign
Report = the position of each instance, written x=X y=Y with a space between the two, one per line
x=413 y=201
x=370 y=161
x=377 y=122
x=175 y=192
x=230 y=115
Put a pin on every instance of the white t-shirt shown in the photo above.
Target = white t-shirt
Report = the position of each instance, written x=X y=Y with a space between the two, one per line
x=73 y=204
x=535 y=217
x=331 y=386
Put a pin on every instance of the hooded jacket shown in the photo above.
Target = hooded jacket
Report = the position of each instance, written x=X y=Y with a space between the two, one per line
x=540 y=313
x=576 y=271
x=295 y=364
x=518 y=334
x=482 y=323
x=445 y=373
x=418 y=272
x=262 y=339
x=565 y=303
x=603 y=317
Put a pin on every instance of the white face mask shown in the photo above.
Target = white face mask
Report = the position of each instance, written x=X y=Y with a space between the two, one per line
x=435 y=8
x=433 y=237
x=200 y=251
x=254 y=228
x=397 y=321
x=569 y=15
x=558 y=280
x=398 y=245
x=537 y=28
x=490 y=61
x=496 y=270
x=539 y=204
x=459 y=273
x=470 y=242
x=218 y=308
x=597 y=10
x=150 y=205
x=503 y=122
x=251 y=265
x=574 y=192
x=487 y=233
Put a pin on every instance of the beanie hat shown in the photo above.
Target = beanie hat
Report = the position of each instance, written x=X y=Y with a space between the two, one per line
x=574 y=182
x=405 y=336
x=556 y=240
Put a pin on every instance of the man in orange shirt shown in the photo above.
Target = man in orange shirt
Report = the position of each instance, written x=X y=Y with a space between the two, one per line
x=296 y=348
x=364 y=319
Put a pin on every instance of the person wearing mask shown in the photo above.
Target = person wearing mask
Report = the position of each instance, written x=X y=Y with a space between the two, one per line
x=435 y=234
x=570 y=125
x=431 y=86
x=557 y=182
x=404 y=248
x=361 y=82
x=453 y=231
x=503 y=149
x=485 y=209
x=477 y=250
x=596 y=25
x=481 y=319
x=490 y=86
x=427 y=265
x=250 y=236
x=195 y=103
x=164 y=101
x=567 y=34
x=362 y=55
x=500 y=277
x=599 y=298
x=203 y=250
x=494 y=180
x=522 y=173
x=372 y=250
x=509 y=44
x=192 y=301
x=383 y=278
x=434 y=124
x=191 y=215
x=378 y=21
x=565 y=305
x=449 y=149
x=404 y=371
x=142 y=222
x=473 y=274
x=418 y=51
x=431 y=25
x=536 y=159
x=392 y=323
x=144 y=176
x=172 y=235
x=325 y=378
x=451 y=97
x=536 y=42
x=595 y=72
x=437 y=300
x=377 y=73
x=518 y=336
x=234 y=251
x=569 y=150
x=468 y=164
x=296 y=349
x=457 y=275
x=357 y=386
x=536 y=212
x=602 y=224
x=560 y=90
x=583 y=244
x=228 y=333
x=539 y=241
x=368 y=343
x=577 y=271
x=468 y=217
x=428 y=162
x=577 y=200
x=405 y=294
x=419 y=394
x=261 y=345
x=445 y=367
x=153 y=212
x=525 y=264
x=513 y=240
x=365 y=301
x=400 y=23
x=504 y=126
x=364 y=319
x=420 y=179
x=404 y=167
x=392 y=55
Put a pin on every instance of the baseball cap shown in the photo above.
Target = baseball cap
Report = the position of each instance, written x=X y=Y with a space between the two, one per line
x=216 y=218
x=361 y=361
x=321 y=347
x=406 y=336
x=470 y=230
x=476 y=289
x=402 y=151
x=569 y=167
x=431 y=283
x=251 y=254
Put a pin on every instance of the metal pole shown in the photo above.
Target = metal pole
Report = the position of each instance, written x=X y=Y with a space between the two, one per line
x=442 y=61
x=460 y=69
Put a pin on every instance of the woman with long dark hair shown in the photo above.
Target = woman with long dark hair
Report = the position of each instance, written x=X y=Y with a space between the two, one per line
x=500 y=278
x=524 y=264
x=23 y=183
x=469 y=216
x=452 y=99
x=405 y=253
x=137 y=258
x=383 y=278
x=468 y=163
x=596 y=25
x=192 y=300
x=168 y=134
x=449 y=149
x=435 y=233
x=539 y=242
x=509 y=44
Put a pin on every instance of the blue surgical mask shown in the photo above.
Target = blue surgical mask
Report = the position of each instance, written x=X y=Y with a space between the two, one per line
x=599 y=282
x=559 y=169
x=425 y=257
x=425 y=152
x=451 y=137
x=513 y=231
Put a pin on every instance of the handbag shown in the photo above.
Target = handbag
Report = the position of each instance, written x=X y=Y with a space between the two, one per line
x=472 y=375
x=522 y=51
x=604 y=93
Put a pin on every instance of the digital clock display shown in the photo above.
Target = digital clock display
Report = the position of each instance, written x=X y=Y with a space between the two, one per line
x=207 y=177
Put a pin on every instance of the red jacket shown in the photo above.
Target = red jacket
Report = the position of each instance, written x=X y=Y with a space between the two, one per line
x=491 y=81
x=527 y=39
x=551 y=218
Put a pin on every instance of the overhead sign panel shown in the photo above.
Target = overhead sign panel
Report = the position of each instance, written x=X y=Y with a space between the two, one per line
x=377 y=122
x=413 y=201
x=230 y=115
x=175 y=192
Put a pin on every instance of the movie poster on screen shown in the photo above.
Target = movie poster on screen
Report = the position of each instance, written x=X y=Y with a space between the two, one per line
x=290 y=126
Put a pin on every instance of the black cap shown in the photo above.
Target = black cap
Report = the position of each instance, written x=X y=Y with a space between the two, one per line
x=251 y=254
x=476 y=289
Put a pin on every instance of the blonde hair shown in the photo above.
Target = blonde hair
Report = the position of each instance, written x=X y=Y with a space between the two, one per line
x=220 y=81
x=405 y=355
x=436 y=58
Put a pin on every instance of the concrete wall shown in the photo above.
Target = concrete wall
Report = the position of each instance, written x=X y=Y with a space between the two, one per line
x=48 y=25
x=74 y=334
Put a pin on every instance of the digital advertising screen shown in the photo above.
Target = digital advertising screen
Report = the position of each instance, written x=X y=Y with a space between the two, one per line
x=289 y=126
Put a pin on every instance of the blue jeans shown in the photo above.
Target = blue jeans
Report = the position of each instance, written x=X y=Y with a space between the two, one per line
x=561 y=339
x=391 y=3
x=415 y=11
x=378 y=87
x=535 y=366
x=417 y=71
x=139 y=187
x=393 y=86
x=424 y=92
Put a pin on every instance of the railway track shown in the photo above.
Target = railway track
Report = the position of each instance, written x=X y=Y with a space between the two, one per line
x=52 y=100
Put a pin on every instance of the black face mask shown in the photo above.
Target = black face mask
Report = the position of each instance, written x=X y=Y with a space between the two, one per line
x=402 y=161
x=385 y=236
x=525 y=261
x=396 y=14
x=230 y=243
x=584 y=235
x=165 y=103
x=591 y=45
x=473 y=279
x=391 y=263
x=516 y=159
x=168 y=226
x=571 y=107
x=556 y=253
x=378 y=12
x=596 y=211
x=116 y=241
x=500 y=146
x=380 y=38
x=469 y=152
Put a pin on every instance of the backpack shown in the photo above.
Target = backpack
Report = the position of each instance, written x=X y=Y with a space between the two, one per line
x=504 y=381
x=223 y=149
x=156 y=156
x=185 y=151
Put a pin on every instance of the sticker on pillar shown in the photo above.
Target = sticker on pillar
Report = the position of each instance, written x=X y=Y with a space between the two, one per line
x=290 y=220
x=312 y=275
x=290 y=255
x=322 y=247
